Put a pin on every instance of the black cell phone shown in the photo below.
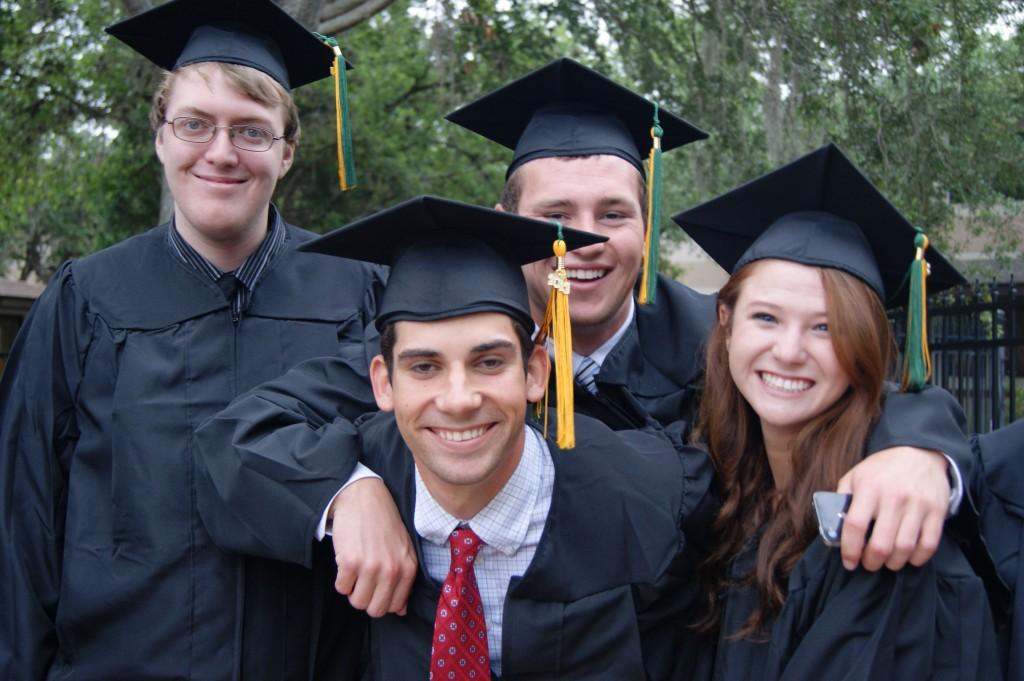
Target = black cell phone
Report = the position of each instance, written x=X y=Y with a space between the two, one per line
x=831 y=508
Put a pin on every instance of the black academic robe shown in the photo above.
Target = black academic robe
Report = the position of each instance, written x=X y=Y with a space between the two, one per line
x=107 y=571
x=606 y=593
x=999 y=490
x=931 y=622
x=654 y=371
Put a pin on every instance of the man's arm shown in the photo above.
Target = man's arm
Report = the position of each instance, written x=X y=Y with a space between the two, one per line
x=375 y=557
x=37 y=440
x=270 y=464
x=262 y=483
x=293 y=439
x=904 y=485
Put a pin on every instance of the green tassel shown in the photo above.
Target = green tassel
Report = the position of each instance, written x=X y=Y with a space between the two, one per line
x=917 y=360
x=346 y=157
x=652 y=242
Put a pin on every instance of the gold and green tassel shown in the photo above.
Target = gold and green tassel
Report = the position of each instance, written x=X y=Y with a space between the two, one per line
x=652 y=233
x=917 y=359
x=343 y=127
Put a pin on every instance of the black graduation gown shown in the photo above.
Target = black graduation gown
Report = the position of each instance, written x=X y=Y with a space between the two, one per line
x=999 y=490
x=922 y=623
x=654 y=370
x=606 y=594
x=107 y=571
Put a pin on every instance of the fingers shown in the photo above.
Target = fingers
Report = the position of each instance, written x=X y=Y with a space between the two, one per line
x=406 y=577
x=855 y=528
x=346 y=579
x=928 y=542
x=908 y=530
x=377 y=587
x=895 y=533
x=375 y=557
x=906 y=492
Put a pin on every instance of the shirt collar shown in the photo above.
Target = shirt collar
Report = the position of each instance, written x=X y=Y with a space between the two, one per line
x=601 y=352
x=503 y=523
x=249 y=272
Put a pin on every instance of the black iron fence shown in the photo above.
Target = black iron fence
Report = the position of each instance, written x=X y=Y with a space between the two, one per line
x=976 y=337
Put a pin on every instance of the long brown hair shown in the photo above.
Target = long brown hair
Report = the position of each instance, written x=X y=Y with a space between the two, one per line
x=826 y=447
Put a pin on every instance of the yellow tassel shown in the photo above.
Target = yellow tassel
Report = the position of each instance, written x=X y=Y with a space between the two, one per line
x=556 y=325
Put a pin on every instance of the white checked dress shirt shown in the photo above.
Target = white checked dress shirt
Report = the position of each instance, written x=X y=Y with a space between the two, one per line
x=510 y=526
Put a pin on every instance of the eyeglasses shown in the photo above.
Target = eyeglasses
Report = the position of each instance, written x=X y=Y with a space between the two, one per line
x=244 y=137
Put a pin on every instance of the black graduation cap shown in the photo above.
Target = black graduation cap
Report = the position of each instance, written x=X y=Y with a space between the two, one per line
x=254 y=33
x=818 y=210
x=567 y=109
x=449 y=258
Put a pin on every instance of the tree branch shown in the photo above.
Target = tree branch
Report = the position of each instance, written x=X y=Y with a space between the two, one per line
x=133 y=7
x=61 y=94
x=337 y=8
x=405 y=96
x=358 y=14
x=303 y=11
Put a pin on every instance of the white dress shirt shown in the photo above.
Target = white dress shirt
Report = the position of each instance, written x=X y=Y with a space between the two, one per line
x=510 y=527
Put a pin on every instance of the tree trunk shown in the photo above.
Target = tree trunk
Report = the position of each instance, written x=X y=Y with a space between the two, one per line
x=306 y=12
x=166 y=201
x=773 y=102
x=133 y=7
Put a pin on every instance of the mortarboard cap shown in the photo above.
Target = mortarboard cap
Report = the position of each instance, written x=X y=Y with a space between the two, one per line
x=818 y=210
x=448 y=258
x=567 y=109
x=253 y=33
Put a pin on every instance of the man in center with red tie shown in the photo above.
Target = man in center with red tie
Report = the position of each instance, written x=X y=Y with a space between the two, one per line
x=537 y=561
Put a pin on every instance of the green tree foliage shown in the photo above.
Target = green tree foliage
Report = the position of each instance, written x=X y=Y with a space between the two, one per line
x=78 y=151
x=926 y=95
x=921 y=93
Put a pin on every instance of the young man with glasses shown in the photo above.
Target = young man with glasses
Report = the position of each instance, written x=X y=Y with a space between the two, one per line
x=107 y=571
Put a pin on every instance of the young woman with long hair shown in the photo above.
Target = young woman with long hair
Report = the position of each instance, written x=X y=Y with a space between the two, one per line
x=796 y=375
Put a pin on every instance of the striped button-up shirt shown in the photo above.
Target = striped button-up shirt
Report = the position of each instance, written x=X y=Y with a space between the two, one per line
x=247 y=274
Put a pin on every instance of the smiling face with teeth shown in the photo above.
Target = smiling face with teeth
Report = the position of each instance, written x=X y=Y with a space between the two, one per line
x=781 y=355
x=459 y=392
x=600 y=194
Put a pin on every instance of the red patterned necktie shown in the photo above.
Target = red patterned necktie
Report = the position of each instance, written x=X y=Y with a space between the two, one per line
x=459 y=651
